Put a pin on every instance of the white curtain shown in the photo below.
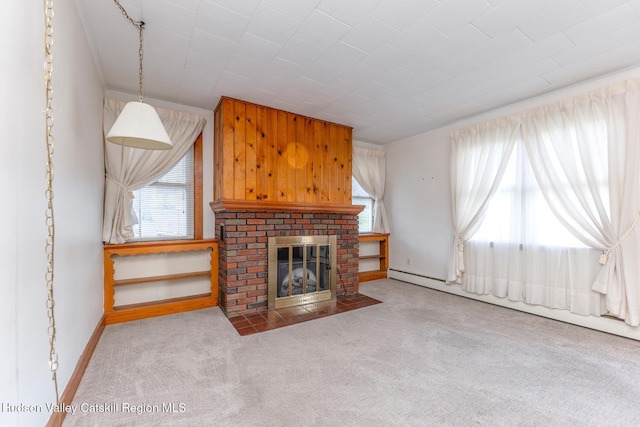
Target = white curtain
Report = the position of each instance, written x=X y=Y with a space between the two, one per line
x=128 y=169
x=584 y=154
x=369 y=170
x=523 y=253
x=479 y=157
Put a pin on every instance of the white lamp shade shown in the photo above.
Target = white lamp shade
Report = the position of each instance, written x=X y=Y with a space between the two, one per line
x=139 y=126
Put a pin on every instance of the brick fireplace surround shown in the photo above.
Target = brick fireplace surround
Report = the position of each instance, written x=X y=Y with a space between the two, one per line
x=243 y=252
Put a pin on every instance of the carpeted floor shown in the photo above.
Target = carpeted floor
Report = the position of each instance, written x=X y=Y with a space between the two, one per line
x=421 y=358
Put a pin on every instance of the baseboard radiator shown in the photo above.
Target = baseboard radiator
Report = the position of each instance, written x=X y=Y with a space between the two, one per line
x=603 y=324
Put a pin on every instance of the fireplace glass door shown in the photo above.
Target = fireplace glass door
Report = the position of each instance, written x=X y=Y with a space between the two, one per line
x=301 y=270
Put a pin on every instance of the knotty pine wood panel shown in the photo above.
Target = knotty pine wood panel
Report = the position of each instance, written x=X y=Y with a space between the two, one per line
x=317 y=161
x=272 y=156
x=239 y=152
x=217 y=157
x=309 y=196
x=333 y=165
x=264 y=154
x=251 y=136
x=290 y=157
x=228 y=162
x=345 y=166
x=261 y=148
x=301 y=161
x=282 y=159
x=324 y=146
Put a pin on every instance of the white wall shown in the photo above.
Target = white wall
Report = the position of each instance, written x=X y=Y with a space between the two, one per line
x=417 y=197
x=78 y=186
x=418 y=202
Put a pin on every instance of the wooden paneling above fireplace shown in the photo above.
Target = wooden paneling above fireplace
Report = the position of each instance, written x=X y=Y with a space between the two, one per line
x=269 y=159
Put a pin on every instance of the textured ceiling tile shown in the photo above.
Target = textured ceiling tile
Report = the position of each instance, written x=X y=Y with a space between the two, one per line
x=342 y=55
x=299 y=51
x=256 y=48
x=220 y=21
x=322 y=30
x=416 y=37
x=204 y=64
x=401 y=14
x=528 y=72
x=430 y=79
x=601 y=25
x=450 y=15
x=424 y=61
x=283 y=69
x=464 y=39
x=297 y=9
x=546 y=47
x=170 y=43
x=506 y=16
x=188 y=4
x=503 y=45
x=384 y=58
x=599 y=46
x=462 y=64
x=321 y=72
x=272 y=25
x=600 y=6
x=369 y=34
x=181 y=22
x=336 y=89
x=234 y=85
x=244 y=7
x=350 y=12
x=245 y=66
x=305 y=85
x=194 y=79
x=208 y=45
x=557 y=16
x=271 y=84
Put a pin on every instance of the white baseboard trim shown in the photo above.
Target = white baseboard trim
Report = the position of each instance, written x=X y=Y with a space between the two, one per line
x=603 y=324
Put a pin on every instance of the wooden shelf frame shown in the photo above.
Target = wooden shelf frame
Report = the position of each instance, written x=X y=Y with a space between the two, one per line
x=382 y=255
x=125 y=313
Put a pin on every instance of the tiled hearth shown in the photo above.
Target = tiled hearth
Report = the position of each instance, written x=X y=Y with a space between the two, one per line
x=243 y=252
x=251 y=323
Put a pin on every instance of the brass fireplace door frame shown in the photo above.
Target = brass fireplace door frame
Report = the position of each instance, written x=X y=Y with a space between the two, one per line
x=275 y=302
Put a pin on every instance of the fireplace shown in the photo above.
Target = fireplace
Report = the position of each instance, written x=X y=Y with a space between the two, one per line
x=278 y=174
x=243 y=271
x=302 y=270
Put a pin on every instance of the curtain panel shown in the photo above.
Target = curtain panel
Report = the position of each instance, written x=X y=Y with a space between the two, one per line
x=479 y=157
x=369 y=169
x=594 y=139
x=129 y=169
x=584 y=153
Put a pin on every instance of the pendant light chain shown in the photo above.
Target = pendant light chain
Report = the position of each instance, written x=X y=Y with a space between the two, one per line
x=139 y=26
x=50 y=242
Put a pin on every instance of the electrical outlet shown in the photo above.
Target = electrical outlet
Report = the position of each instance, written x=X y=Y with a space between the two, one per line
x=408 y=260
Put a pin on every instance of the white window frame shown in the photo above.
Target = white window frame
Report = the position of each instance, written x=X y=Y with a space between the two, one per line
x=188 y=216
x=361 y=197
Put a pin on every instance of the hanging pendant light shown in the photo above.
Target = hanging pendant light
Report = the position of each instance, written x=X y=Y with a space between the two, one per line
x=138 y=125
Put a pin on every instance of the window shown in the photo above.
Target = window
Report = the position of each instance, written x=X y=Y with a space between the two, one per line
x=518 y=212
x=171 y=207
x=361 y=197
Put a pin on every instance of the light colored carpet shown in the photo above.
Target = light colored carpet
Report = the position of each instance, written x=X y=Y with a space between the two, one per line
x=421 y=358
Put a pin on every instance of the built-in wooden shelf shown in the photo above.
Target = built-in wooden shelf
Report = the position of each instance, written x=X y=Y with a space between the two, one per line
x=125 y=313
x=382 y=256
